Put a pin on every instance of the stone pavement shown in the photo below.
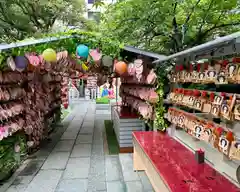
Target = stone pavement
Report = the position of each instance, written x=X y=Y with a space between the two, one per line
x=74 y=160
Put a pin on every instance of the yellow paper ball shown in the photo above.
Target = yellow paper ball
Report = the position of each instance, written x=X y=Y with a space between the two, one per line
x=49 y=55
x=85 y=67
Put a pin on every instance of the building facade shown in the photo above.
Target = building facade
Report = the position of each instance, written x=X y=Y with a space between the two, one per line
x=93 y=12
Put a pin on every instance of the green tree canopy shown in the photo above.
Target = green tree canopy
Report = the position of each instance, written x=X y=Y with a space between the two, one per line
x=169 y=26
x=22 y=18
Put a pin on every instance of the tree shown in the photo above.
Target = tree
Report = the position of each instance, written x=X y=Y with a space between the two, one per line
x=21 y=18
x=169 y=26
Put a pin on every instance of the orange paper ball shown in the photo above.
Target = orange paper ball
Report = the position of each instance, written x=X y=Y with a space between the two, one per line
x=121 y=67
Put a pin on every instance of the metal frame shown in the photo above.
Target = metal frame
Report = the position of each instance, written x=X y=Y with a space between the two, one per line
x=145 y=53
x=219 y=47
x=33 y=42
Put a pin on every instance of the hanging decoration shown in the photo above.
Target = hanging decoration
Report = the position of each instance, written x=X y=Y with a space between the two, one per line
x=121 y=67
x=33 y=59
x=82 y=51
x=138 y=64
x=21 y=63
x=96 y=56
x=131 y=69
x=107 y=61
x=84 y=67
x=49 y=55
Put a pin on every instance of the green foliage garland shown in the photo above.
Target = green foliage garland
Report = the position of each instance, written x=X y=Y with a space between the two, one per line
x=9 y=158
x=92 y=40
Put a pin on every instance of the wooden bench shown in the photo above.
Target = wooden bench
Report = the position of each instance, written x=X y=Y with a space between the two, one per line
x=170 y=166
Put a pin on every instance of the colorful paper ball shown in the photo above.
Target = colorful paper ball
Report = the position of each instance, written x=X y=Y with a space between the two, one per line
x=121 y=67
x=49 y=55
x=21 y=63
x=84 y=67
x=82 y=51
x=96 y=55
x=107 y=61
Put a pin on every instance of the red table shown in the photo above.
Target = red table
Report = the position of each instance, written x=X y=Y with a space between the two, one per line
x=176 y=165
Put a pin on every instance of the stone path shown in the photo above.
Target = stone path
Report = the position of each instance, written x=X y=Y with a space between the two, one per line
x=74 y=160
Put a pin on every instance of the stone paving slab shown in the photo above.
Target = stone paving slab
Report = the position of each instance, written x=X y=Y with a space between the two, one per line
x=98 y=141
x=23 y=180
x=64 y=146
x=70 y=134
x=72 y=185
x=81 y=150
x=32 y=168
x=77 y=168
x=97 y=168
x=56 y=160
x=45 y=181
x=147 y=186
x=83 y=138
x=79 y=118
x=17 y=188
x=134 y=186
x=86 y=130
x=88 y=125
x=103 y=112
x=116 y=186
x=75 y=124
x=127 y=167
x=113 y=168
x=97 y=149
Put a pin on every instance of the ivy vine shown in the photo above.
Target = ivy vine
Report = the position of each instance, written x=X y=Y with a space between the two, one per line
x=160 y=122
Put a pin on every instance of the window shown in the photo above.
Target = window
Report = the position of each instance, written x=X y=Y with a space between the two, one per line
x=92 y=1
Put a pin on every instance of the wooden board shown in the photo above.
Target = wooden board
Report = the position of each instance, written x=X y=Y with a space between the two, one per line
x=126 y=149
x=142 y=163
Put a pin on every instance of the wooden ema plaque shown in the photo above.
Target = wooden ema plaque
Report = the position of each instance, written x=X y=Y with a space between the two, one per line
x=234 y=152
x=232 y=70
x=224 y=145
x=211 y=76
x=215 y=110
x=181 y=120
x=207 y=134
x=202 y=77
x=238 y=75
x=226 y=108
x=236 y=112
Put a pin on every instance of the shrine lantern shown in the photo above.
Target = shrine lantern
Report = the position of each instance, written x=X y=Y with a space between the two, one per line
x=21 y=63
x=121 y=67
x=82 y=51
x=49 y=55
